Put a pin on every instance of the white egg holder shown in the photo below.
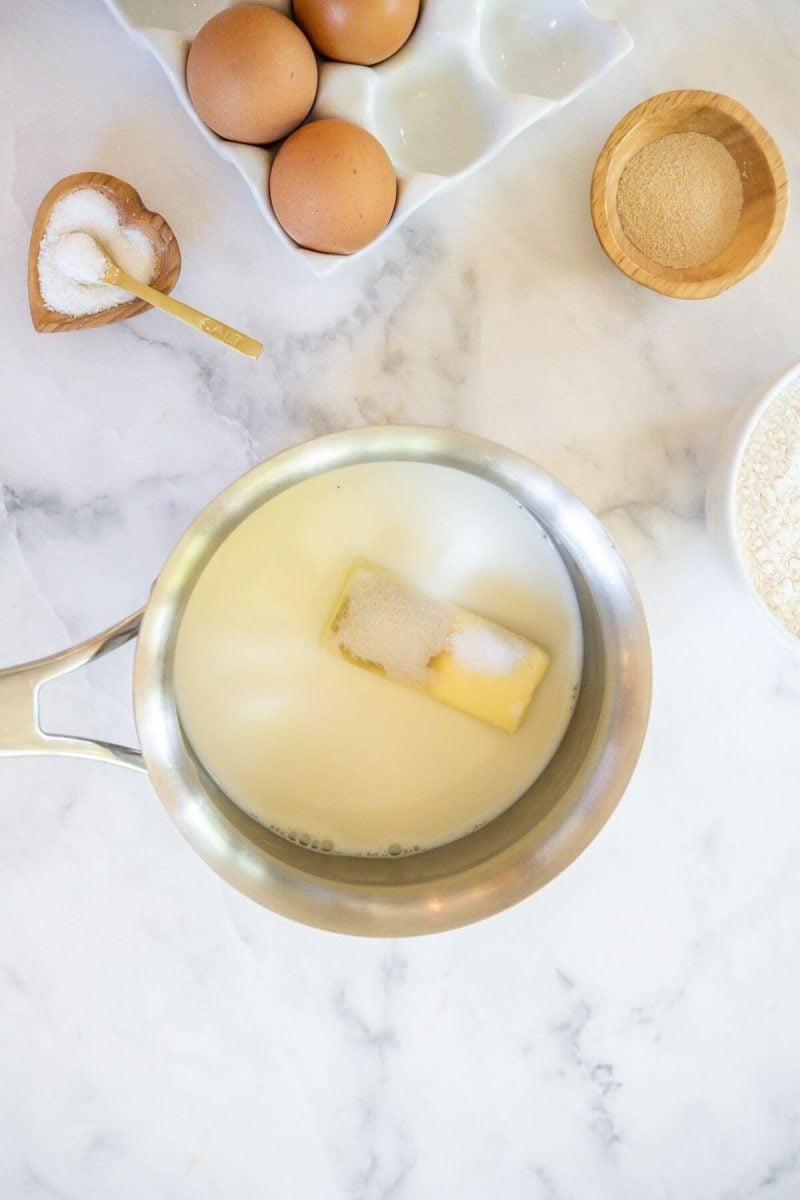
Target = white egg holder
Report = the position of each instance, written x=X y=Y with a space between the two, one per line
x=472 y=76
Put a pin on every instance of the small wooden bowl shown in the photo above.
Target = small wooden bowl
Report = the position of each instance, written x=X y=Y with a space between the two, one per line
x=766 y=192
x=133 y=213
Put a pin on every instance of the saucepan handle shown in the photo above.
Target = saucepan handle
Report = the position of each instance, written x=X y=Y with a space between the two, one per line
x=20 y=732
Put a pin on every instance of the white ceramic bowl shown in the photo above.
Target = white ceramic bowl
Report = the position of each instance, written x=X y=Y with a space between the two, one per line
x=721 y=493
x=473 y=75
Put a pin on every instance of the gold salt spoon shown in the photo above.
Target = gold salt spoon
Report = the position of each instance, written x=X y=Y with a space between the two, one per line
x=115 y=276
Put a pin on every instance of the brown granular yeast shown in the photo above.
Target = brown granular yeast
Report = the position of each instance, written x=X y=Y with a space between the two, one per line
x=680 y=199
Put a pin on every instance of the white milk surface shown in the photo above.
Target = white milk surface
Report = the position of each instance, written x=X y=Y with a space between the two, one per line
x=324 y=751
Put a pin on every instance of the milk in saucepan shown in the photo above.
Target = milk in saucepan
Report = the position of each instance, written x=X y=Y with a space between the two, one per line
x=336 y=757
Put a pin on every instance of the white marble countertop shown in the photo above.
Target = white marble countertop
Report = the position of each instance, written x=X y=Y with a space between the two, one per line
x=629 y=1033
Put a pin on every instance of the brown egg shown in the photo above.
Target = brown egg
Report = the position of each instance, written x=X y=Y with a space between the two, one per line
x=357 y=31
x=251 y=74
x=332 y=187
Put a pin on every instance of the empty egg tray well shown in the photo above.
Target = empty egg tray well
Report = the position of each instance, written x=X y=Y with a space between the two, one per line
x=473 y=75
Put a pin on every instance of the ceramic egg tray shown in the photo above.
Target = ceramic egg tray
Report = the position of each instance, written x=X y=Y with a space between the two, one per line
x=473 y=75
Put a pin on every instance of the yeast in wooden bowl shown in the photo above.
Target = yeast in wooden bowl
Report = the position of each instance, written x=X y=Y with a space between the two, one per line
x=764 y=185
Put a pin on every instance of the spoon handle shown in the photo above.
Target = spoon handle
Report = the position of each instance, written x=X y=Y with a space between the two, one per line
x=184 y=312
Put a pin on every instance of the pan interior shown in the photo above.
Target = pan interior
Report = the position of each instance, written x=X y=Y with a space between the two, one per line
x=506 y=829
x=503 y=832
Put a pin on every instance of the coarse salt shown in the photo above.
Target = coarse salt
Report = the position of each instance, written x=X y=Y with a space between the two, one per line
x=768 y=507
x=79 y=257
x=67 y=266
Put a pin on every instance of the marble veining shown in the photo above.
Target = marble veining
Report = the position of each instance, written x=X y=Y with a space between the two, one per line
x=631 y=1032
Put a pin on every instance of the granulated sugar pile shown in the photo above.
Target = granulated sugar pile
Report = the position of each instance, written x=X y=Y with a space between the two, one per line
x=389 y=623
x=768 y=507
x=486 y=650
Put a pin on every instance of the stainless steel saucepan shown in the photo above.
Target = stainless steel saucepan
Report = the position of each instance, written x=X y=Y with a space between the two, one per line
x=471 y=878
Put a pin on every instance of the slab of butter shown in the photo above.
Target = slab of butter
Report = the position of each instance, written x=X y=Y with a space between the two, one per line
x=384 y=624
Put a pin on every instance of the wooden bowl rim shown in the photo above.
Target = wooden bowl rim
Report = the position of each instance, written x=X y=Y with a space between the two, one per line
x=130 y=205
x=670 y=286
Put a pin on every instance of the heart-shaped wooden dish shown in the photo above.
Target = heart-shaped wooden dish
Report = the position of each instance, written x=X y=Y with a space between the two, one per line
x=132 y=213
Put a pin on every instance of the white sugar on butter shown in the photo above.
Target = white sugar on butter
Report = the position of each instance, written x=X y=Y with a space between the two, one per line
x=66 y=266
x=487 y=650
